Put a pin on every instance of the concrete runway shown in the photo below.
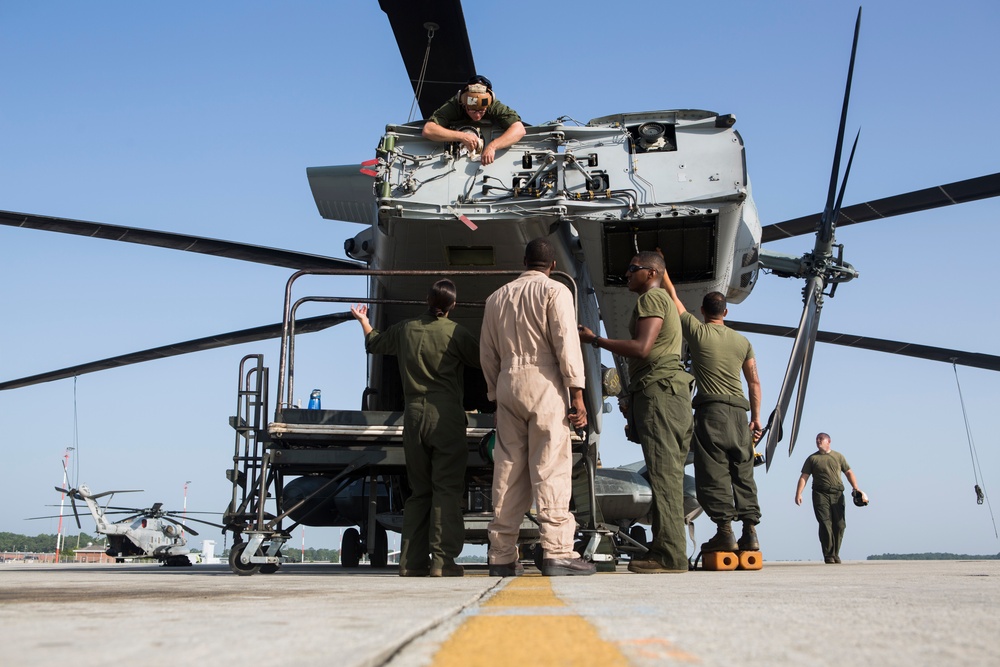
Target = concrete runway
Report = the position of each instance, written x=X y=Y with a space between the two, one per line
x=860 y=613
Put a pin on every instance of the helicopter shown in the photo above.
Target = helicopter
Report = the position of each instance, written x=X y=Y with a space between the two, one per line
x=152 y=532
x=439 y=36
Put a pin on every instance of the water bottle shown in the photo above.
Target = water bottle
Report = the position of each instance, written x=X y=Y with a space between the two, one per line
x=314 y=399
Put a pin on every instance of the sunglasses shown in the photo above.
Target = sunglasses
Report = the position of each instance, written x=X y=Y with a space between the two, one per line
x=632 y=268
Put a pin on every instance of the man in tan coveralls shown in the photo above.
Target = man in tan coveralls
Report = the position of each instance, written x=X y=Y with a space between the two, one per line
x=530 y=355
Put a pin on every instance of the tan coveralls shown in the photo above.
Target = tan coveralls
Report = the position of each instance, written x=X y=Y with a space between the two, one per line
x=530 y=355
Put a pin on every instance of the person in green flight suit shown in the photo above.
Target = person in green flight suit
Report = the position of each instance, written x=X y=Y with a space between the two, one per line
x=826 y=465
x=659 y=408
x=723 y=439
x=432 y=352
x=476 y=106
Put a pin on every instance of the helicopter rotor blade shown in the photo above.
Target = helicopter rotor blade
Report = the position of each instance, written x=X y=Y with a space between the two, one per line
x=76 y=514
x=800 y=396
x=987 y=362
x=307 y=325
x=109 y=493
x=824 y=236
x=795 y=362
x=959 y=192
x=820 y=269
x=73 y=495
x=207 y=523
x=245 y=252
x=449 y=61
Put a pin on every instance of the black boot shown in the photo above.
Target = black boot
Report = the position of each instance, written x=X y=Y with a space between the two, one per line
x=723 y=540
x=748 y=540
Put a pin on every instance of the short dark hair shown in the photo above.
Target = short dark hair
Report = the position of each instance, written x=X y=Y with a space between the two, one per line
x=652 y=259
x=442 y=297
x=823 y=436
x=714 y=304
x=539 y=254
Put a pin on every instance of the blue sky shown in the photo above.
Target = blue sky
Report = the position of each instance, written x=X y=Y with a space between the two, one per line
x=201 y=118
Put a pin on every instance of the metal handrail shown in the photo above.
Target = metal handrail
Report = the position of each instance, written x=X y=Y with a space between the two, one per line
x=286 y=363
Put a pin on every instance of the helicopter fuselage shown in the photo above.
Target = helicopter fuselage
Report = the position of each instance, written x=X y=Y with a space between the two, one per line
x=673 y=180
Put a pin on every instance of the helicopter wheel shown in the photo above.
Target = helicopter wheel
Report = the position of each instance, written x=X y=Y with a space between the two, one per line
x=244 y=570
x=269 y=568
x=380 y=554
x=638 y=533
x=350 y=548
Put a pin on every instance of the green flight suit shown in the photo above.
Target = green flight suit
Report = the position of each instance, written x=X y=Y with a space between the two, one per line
x=828 y=498
x=660 y=420
x=452 y=114
x=432 y=352
x=722 y=443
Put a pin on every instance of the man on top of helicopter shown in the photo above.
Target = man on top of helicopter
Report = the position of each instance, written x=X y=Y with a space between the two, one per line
x=475 y=102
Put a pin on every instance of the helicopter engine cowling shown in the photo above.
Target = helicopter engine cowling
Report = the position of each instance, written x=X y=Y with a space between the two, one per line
x=624 y=495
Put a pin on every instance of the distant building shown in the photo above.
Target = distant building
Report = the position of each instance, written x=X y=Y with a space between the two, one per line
x=208 y=552
x=91 y=554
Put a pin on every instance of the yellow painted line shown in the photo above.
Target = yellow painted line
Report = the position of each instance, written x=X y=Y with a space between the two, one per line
x=534 y=634
x=525 y=591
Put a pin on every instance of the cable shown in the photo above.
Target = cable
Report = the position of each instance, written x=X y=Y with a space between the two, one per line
x=76 y=441
x=431 y=28
x=977 y=470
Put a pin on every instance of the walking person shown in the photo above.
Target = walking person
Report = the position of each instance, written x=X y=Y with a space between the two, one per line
x=826 y=465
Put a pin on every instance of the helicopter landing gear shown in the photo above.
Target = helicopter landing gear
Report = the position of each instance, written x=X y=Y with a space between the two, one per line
x=380 y=554
x=638 y=533
x=239 y=567
x=350 y=548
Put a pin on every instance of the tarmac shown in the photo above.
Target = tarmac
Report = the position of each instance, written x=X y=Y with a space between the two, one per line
x=805 y=613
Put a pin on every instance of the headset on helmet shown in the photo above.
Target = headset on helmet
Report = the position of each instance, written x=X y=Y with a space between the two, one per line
x=477 y=94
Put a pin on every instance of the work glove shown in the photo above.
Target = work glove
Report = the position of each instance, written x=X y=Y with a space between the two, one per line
x=860 y=499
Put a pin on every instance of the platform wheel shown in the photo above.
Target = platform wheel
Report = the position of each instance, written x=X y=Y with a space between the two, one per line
x=237 y=566
x=532 y=552
x=270 y=568
x=350 y=548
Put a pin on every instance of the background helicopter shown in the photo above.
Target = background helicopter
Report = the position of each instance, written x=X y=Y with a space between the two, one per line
x=152 y=532
x=786 y=178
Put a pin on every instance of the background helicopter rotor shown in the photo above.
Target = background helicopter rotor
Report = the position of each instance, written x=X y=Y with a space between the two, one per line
x=821 y=269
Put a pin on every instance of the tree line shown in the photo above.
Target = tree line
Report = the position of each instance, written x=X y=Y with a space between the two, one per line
x=933 y=556
x=44 y=543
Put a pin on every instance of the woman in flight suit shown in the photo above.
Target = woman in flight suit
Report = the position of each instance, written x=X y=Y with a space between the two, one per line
x=432 y=352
